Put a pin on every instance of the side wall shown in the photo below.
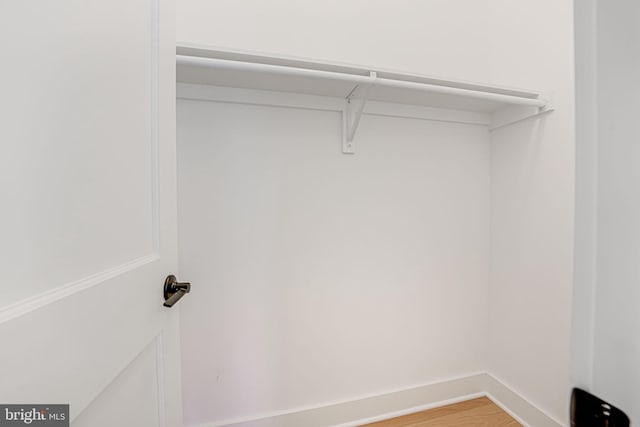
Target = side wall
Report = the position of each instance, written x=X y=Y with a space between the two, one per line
x=532 y=206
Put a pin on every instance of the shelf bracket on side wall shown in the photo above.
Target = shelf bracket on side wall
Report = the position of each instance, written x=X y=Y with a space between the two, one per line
x=352 y=113
x=516 y=114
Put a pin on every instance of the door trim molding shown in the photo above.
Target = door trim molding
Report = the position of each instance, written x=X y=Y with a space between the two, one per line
x=35 y=302
x=155 y=123
x=162 y=413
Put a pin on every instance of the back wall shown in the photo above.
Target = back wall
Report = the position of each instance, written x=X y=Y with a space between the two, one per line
x=321 y=277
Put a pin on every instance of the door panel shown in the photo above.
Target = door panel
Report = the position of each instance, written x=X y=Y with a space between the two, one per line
x=88 y=189
x=71 y=350
x=132 y=396
x=77 y=94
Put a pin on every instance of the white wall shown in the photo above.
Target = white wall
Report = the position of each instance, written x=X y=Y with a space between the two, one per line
x=616 y=376
x=324 y=276
x=434 y=37
x=522 y=44
x=532 y=200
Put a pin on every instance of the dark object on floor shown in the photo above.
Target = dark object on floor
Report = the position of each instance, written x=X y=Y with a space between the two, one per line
x=590 y=411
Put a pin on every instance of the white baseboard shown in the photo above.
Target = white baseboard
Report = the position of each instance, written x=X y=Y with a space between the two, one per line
x=370 y=409
x=521 y=409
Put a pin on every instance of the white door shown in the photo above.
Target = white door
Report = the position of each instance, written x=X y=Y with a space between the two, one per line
x=88 y=215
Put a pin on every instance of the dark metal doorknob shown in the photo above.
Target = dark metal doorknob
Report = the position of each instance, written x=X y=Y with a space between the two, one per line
x=174 y=290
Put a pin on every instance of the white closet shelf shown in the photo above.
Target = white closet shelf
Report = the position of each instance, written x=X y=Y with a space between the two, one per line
x=355 y=85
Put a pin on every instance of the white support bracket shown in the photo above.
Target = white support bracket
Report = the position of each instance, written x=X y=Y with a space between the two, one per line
x=351 y=114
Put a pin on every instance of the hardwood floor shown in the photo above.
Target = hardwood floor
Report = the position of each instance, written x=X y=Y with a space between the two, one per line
x=480 y=412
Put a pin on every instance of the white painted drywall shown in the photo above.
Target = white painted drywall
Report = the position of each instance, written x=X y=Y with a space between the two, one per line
x=322 y=276
x=522 y=44
x=616 y=373
x=532 y=205
x=436 y=37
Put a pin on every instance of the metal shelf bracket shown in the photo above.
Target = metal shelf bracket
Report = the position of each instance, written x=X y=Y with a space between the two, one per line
x=352 y=112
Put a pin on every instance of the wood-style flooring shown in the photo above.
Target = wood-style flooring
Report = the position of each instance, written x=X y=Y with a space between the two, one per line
x=471 y=413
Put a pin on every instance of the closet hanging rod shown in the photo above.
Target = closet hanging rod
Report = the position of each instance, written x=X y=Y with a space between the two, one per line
x=225 y=64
